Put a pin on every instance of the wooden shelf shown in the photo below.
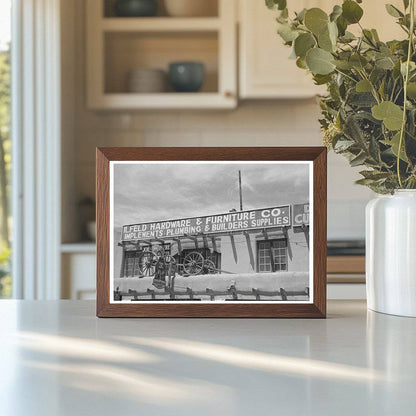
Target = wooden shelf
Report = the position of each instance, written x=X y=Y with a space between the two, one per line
x=159 y=24
x=128 y=101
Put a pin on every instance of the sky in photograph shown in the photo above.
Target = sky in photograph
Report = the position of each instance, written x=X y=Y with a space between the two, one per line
x=158 y=192
x=4 y=23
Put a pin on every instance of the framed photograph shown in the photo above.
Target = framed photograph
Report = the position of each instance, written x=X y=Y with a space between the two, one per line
x=211 y=232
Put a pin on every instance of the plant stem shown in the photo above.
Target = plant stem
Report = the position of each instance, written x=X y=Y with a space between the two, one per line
x=346 y=75
x=373 y=90
x=406 y=80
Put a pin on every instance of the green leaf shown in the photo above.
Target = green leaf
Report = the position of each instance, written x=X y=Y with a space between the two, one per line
x=358 y=160
x=361 y=99
x=412 y=67
x=316 y=20
x=327 y=40
x=276 y=4
x=284 y=14
x=301 y=63
x=336 y=12
x=374 y=150
x=325 y=43
x=381 y=89
x=393 y=11
x=303 y=43
x=351 y=11
x=406 y=4
x=342 y=25
x=375 y=35
x=354 y=131
x=343 y=65
x=385 y=63
x=363 y=86
x=396 y=71
x=358 y=61
x=348 y=37
x=300 y=17
x=283 y=17
x=343 y=145
x=374 y=175
x=394 y=145
x=333 y=32
x=391 y=114
x=364 y=181
x=319 y=61
x=286 y=32
x=321 y=79
x=368 y=36
x=411 y=90
x=377 y=75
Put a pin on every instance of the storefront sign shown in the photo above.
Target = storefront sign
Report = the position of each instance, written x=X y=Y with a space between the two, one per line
x=300 y=215
x=215 y=224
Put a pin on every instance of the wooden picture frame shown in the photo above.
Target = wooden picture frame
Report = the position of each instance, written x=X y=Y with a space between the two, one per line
x=315 y=307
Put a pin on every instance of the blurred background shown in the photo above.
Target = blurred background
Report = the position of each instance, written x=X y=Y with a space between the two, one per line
x=145 y=73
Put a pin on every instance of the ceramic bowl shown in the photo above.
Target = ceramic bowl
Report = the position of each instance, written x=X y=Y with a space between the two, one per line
x=147 y=80
x=186 y=76
x=135 y=8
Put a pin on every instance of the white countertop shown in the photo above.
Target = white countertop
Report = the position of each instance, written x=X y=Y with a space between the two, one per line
x=58 y=359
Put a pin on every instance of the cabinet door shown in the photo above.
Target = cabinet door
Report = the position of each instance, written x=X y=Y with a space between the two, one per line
x=265 y=68
x=376 y=17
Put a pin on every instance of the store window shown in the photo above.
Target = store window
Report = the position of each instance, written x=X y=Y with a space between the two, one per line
x=272 y=255
x=131 y=263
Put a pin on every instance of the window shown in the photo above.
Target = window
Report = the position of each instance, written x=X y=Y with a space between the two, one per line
x=5 y=160
x=131 y=263
x=269 y=250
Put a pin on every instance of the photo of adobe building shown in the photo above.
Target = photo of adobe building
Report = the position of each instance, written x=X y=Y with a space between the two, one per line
x=263 y=248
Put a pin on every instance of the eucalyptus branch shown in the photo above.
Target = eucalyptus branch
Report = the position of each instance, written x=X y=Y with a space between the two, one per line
x=364 y=108
x=406 y=80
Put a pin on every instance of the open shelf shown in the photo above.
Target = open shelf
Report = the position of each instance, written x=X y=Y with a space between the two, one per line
x=127 y=51
x=116 y=46
x=160 y=24
x=130 y=101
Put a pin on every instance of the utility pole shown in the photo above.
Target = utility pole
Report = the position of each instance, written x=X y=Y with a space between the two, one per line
x=241 y=190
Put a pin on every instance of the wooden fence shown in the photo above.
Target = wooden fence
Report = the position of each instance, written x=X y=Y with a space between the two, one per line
x=232 y=294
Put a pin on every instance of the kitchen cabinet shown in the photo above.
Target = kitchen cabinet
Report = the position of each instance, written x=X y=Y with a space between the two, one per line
x=265 y=70
x=78 y=271
x=118 y=45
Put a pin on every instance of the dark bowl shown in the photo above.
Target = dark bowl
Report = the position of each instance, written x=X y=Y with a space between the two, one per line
x=186 y=76
x=136 y=8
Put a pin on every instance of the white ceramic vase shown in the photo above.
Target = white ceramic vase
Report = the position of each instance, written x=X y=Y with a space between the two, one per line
x=391 y=253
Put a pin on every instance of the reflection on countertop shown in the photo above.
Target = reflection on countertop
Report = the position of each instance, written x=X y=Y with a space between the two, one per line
x=63 y=360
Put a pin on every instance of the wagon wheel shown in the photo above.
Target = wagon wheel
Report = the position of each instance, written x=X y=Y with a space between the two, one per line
x=147 y=263
x=193 y=263
x=209 y=267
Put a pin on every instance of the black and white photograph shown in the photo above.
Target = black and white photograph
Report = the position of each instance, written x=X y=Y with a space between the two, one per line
x=210 y=232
